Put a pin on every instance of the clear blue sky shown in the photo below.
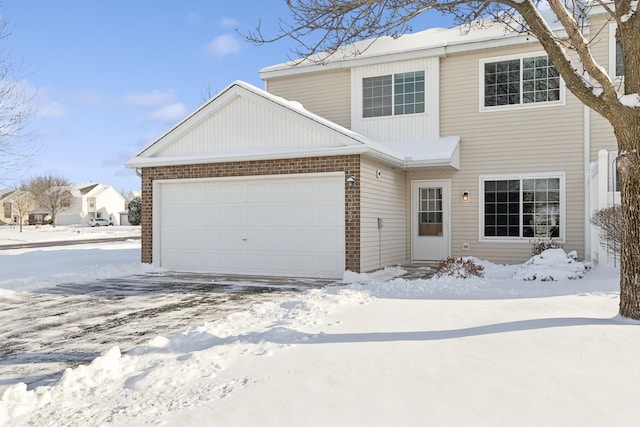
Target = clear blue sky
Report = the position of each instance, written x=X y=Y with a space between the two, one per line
x=112 y=76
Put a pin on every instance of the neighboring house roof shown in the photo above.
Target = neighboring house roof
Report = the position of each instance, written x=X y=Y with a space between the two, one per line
x=241 y=113
x=422 y=44
x=12 y=195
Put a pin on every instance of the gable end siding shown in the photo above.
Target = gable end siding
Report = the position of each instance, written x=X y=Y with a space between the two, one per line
x=327 y=94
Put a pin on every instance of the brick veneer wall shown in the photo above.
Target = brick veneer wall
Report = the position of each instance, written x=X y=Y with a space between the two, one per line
x=349 y=164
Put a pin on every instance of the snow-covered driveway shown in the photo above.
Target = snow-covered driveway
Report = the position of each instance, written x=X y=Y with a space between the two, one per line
x=45 y=331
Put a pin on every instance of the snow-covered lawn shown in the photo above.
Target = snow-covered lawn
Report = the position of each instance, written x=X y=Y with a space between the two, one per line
x=47 y=233
x=378 y=350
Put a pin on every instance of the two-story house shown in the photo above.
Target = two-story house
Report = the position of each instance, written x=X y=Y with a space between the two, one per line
x=446 y=142
x=16 y=205
x=91 y=200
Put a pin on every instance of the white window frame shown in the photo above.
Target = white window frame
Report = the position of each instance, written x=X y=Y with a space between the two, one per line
x=505 y=177
x=612 y=53
x=520 y=56
x=393 y=93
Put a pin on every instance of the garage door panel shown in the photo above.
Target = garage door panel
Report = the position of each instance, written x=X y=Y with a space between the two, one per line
x=290 y=226
x=235 y=214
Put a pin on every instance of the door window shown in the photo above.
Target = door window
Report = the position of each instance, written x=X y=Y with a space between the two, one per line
x=430 y=211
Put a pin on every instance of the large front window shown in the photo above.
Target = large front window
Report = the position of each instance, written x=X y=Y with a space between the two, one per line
x=396 y=94
x=520 y=81
x=522 y=207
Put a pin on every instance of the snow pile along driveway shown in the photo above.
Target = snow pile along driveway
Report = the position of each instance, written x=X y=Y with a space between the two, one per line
x=482 y=351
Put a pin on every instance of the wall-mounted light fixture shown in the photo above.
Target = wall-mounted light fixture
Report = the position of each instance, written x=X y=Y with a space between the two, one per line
x=351 y=181
x=465 y=196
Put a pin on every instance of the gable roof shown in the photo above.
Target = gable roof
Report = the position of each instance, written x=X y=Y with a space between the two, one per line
x=244 y=123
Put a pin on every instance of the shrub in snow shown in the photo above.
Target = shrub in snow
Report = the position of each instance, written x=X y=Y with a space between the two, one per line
x=552 y=264
x=539 y=246
x=609 y=220
x=459 y=268
x=135 y=209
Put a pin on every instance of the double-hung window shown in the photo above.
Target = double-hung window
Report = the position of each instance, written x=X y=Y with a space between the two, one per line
x=395 y=94
x=616 y=67
x=521 y=81
x=522 y=207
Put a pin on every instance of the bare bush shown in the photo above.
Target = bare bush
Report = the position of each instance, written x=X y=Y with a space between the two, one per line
x=539 y=246
x=459 y=268
x=609 y=221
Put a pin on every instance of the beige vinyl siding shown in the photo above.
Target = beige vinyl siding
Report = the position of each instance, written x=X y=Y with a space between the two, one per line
x=524 y=141
x=327 y=94
x=602 y=135
x=385 y=198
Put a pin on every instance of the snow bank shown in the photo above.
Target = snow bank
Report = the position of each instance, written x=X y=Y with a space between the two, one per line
x=552 y=264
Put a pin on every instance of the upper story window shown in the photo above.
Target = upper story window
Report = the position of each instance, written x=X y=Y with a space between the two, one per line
x=520 y=81
x=619 y=63
x=395 y=94
x=616 y=66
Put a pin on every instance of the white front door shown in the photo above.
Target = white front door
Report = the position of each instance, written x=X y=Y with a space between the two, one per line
x=430 y=225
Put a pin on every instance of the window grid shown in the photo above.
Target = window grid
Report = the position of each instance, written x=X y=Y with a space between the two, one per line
x=501 y=208
x=409 y=93
x=522 y=208
x=502 y=83
x=520 y=81
x=540 y=80
x=377 y=96
x=396 y=94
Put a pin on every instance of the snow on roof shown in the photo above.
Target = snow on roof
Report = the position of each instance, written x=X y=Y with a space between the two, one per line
x=429 y=42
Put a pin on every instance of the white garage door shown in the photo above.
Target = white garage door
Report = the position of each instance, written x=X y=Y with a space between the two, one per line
x=288 y=225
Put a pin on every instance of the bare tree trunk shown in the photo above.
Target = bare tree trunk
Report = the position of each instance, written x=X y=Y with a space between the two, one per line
x=629 y=175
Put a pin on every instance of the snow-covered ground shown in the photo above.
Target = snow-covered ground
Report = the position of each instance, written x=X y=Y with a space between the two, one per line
x=47 y=233
x=377 y=350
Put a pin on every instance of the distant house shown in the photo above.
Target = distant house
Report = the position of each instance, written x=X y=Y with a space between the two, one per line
x=13 y=202
x=94 y=201
x=124 y=215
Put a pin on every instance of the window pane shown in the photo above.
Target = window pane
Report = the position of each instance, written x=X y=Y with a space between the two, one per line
x=542 y=212
x=502 y=82
x=409 y=93
x=619 y=63
x=376 y=96
x=502 y=207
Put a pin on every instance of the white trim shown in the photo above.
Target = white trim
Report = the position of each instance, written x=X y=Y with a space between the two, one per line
x=483 y=109
x=446 y=219
x=586 y=127
x=500 y=177
x=612 y=53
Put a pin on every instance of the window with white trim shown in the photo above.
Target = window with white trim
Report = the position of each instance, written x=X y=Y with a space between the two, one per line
x=396 y=94
x=522 y=207
x=519 y=81
x=616 y=65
